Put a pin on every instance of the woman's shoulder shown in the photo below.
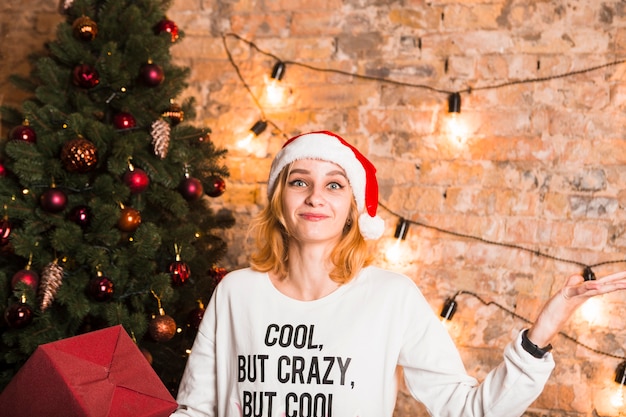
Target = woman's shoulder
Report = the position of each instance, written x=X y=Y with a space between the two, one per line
x=381 y=276
x=239 y=276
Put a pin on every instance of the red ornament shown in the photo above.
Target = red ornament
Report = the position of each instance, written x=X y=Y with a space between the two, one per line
x=195 y=316
x=162 y=327
x=179 y=271
x=151 y=74
x=85 y=76
x=18 y=315
x=5 y=231
x=129 y=220
x=217 y=186
x=167 y=26
x=81 y=215
x=3 y=170
x=101 y=288
x=217 y=273
x=27 y=276
x=191 y=189
x=53 y=200
x=123 y=121
x=24 y=133
x=137 y=180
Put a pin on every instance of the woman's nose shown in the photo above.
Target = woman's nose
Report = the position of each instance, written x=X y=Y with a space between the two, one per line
x=315 y=196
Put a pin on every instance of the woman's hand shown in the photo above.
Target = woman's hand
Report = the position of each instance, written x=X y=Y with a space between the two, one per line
x=560 y=307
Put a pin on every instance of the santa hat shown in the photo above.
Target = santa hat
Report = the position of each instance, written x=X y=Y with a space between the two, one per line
x=361 y=173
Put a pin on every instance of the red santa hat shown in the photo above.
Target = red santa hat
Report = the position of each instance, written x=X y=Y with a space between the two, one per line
x=361 y=173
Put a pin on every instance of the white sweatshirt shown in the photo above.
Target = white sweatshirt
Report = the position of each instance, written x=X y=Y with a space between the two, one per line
x=260 y=353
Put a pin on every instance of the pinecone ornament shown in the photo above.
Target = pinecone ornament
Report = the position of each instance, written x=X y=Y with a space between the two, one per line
x=51 y=280
x=160 y=132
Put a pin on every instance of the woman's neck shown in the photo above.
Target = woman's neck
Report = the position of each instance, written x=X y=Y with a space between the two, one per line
x=309 y=273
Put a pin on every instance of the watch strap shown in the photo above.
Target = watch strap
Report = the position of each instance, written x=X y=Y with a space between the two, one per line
x=532 y=348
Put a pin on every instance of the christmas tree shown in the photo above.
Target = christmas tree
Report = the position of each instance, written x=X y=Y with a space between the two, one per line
x=106 y=191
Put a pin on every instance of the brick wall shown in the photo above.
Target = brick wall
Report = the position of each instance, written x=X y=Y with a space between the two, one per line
x=542 y=167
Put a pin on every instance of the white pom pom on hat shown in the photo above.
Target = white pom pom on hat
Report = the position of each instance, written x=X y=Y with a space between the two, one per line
x=361 y=173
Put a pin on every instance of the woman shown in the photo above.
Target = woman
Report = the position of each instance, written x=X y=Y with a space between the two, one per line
x=313 y=330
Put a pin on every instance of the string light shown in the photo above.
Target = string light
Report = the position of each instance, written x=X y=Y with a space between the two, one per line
x=394 y=252
x=448 y=310
x=455 y=127
x=275 y=90
x=454 y=103
x=256 y=129
x=617 y=400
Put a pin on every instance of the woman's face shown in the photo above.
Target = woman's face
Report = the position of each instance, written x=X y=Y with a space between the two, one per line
x=316 y=201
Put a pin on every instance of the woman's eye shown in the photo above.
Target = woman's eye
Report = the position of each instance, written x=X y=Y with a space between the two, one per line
x=297 y=183
x=335 y=186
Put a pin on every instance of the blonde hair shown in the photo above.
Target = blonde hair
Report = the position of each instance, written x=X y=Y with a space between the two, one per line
x=272 y=239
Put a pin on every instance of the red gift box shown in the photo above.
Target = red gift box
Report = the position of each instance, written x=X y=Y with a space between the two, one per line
x=102 y=373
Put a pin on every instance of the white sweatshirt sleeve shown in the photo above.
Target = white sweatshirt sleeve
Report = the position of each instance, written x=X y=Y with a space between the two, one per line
x=197 y=395
x=436 y=376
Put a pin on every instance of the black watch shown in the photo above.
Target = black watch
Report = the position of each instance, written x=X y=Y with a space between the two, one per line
x=532 y=348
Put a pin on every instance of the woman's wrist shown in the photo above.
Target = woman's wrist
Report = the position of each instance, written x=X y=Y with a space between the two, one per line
x=532 y=348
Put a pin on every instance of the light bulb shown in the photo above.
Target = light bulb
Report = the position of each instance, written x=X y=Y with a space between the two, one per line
x=394 y=252
x=456 y=128
x=617 y=399
x=258 y=128
x=591 y=310
x=275 y=90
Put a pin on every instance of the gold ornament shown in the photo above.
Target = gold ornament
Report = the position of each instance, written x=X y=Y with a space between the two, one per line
x=85 y=29
x=175 y=113
x=79 y=155
x=130 y=219
x=162 y=327
x=51 y=280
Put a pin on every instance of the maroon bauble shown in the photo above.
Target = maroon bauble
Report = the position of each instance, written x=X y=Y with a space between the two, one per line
x=3 y=170
x=168 y=26
x=151 y=74
x=81 y=215
x=129 y=220
x=53 y=200
x=195 y=316
x=180 y=272
x=101 y=288
x=137 y=180
x=124 y=120
x=215 y=186
x=27 y=276
x=5 y=231
x=162 y=327
x=85 y=76
x=24 y=133
x=191 y=189
x=18 y=315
